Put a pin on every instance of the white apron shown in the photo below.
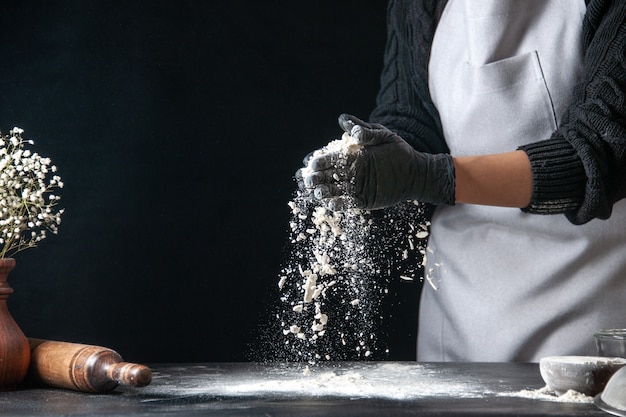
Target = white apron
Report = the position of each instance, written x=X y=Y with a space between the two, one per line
x=513 y=286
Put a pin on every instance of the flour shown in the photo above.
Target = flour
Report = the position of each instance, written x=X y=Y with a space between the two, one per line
x=337 y=272
x=418 y=385
x=393 y=381
x=546 y=394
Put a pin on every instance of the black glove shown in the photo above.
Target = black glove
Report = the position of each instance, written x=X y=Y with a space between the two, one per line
x=384 y=171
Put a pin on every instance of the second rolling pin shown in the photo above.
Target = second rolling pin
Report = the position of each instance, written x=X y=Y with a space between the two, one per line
x=82 y=367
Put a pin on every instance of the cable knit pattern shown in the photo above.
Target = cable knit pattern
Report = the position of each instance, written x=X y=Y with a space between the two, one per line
x=580 y=170
x=403 y=102
x=594 y=126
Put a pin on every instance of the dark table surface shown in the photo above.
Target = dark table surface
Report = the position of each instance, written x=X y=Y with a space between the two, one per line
x=329 y=389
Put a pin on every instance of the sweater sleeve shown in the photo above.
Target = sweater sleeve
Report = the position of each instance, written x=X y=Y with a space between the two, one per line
x=403 y=103
x=580 y=170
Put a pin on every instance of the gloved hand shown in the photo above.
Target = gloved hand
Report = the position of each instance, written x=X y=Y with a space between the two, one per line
x=385 y=171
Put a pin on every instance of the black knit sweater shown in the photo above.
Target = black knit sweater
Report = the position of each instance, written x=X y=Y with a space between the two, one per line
x=581 y=170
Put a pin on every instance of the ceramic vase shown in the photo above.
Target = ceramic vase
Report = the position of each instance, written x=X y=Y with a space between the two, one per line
x=14 y=348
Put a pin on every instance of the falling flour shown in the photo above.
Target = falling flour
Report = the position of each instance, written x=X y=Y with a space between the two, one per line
x=337 y=271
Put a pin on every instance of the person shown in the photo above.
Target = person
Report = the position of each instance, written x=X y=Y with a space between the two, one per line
x=509 y=117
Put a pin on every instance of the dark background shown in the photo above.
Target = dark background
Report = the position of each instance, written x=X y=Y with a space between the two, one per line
x=177 y=127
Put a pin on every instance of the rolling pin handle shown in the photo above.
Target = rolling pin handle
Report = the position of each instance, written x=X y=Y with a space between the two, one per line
x=131 y=374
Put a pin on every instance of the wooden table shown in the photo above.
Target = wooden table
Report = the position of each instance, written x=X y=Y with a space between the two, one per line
x=330 y=389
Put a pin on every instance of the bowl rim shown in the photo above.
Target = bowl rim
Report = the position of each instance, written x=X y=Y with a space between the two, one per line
x=598 y=402
x=610 y=334
x=583 y=360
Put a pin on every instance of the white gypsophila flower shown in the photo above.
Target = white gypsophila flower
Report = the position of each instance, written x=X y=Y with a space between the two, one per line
x=28 y=198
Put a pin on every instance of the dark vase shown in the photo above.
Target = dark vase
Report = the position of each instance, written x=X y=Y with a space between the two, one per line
x=14 y=347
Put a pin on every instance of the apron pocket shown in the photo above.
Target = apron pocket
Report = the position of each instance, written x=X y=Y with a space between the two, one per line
x=506 y=104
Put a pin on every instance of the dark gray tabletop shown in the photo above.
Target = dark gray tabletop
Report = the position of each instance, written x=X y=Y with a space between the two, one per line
x=329 y=389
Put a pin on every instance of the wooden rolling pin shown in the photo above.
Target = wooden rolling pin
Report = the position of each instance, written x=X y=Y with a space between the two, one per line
x=81 y=367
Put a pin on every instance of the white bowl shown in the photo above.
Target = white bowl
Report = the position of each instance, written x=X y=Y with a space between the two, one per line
x=585 y=374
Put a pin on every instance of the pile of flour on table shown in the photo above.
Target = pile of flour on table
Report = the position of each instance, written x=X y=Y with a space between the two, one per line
x=338 y=268
x=547 y=394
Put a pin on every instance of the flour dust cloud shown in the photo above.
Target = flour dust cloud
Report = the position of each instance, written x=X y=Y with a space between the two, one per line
x=336 y=274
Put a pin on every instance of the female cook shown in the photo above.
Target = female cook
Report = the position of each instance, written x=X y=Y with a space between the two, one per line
x=510 y=116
